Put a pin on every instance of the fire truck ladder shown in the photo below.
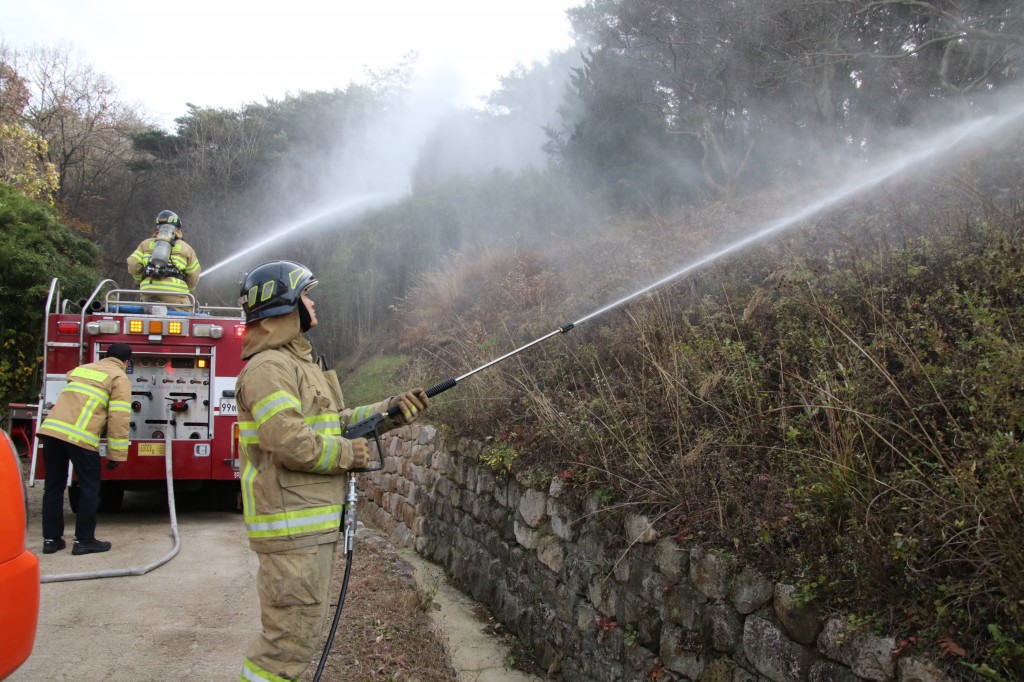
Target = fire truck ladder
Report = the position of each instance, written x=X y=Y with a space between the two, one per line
x=54 y=305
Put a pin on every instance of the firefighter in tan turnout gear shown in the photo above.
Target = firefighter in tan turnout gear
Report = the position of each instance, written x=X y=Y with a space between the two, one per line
x=96 y=399
x=164 y=266
x=294 y=459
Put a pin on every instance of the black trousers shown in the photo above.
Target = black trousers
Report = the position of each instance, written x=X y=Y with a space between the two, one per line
x=56 y=455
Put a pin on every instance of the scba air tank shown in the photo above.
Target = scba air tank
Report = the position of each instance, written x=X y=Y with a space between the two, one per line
x=162 y=248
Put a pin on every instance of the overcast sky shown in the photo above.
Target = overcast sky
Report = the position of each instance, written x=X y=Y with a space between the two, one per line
x=225 y=53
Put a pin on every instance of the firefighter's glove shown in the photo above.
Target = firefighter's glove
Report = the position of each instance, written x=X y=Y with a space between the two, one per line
x=111 y=464
x=355 y=453
x=409 y=404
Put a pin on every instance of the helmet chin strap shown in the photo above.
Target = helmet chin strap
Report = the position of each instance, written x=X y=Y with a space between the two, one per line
x=304 y=319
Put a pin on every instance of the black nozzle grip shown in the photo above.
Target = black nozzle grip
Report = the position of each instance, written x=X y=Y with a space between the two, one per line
x=441 y=387
x=431 y=392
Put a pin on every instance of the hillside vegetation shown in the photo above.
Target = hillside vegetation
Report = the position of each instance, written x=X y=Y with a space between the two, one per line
x=842 y=406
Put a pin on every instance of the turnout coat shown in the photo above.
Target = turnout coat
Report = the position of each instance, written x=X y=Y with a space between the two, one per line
x=291 y=417
x=97 y=399
x=172 y=290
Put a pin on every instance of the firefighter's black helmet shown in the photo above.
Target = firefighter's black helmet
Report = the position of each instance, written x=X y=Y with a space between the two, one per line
x=168 y=217
x=274 y=288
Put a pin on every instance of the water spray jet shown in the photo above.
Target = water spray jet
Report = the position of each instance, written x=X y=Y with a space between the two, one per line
x=347 y=210
x=942 y=142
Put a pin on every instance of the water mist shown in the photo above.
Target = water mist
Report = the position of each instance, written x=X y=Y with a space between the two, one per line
x=940 y=143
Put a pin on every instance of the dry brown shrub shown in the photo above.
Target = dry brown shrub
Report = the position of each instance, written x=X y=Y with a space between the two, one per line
x=385 y=632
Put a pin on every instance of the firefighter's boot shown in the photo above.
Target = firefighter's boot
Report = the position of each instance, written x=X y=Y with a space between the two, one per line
x=90 y=546
x=51 y=546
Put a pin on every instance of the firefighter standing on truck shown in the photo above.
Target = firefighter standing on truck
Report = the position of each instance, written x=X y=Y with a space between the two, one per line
x=294 y=461
x=164 y=266
x=97 y=398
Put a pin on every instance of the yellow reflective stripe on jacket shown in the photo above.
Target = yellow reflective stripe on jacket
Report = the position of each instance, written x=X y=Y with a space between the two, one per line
x=95 y=398
x=247 y=433
x=325 y=423
x=119 y=406
x=75 y=433
x=88 y=410
x=327 y=426
x=92 y=392
x=117 y=443
x=246 y=479
x=253 y=673
x=299 y=522
x=86 y=373
x=362 y=412
x=141 y=257
x=169 y=285
x=272 y=404
x=328 y=455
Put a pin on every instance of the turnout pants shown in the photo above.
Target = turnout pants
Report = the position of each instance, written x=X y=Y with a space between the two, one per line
x=295 y=592
x=56 y=455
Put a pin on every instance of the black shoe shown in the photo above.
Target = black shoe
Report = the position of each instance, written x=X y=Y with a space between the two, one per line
x=89 y=546
x=51 y=546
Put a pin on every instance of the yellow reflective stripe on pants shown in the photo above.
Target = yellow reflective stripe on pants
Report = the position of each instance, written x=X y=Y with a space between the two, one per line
x=253 y=673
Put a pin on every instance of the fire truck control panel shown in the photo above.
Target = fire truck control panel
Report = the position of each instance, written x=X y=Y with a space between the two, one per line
x=179 y=382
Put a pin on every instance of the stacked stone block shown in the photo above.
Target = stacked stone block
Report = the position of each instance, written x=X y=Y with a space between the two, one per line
x=599 y=596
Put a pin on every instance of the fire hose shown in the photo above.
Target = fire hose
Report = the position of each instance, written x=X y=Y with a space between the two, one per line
x=176 y=541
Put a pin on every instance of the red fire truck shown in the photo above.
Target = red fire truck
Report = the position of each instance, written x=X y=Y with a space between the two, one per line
x=182 y=372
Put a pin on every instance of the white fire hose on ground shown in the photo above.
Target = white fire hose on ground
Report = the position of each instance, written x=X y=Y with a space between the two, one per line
x=138 y=570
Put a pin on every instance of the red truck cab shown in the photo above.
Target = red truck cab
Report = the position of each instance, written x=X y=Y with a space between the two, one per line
x=19 y=568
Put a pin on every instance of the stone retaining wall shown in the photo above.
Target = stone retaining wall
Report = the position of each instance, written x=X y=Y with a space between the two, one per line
x=600 y=597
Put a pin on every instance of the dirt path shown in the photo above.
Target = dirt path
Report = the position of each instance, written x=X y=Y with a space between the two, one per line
x=193 y=617
x=476 y=656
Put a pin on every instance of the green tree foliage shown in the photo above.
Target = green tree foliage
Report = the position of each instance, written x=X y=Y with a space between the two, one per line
x=617 y=142
x=22 y=152
x=756 y=88
x=22 y=165
x=34 y=248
